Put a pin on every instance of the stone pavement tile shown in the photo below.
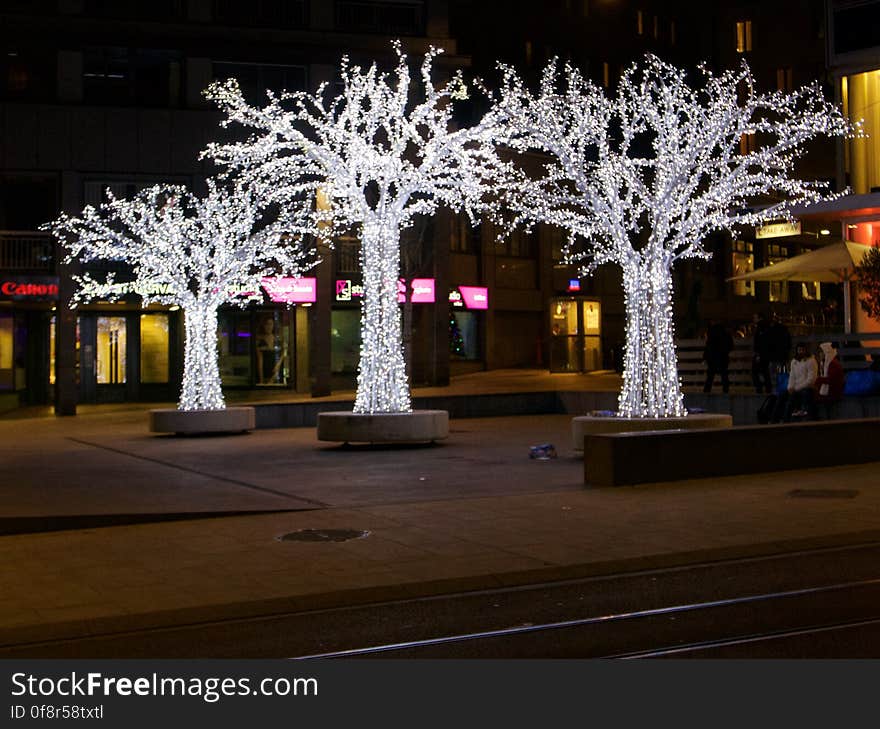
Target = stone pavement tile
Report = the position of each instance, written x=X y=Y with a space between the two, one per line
x=430 y=541
x=153 y=598
x=555 y=553
x=338 y=568
x=110 y=577
x=385 y=550
x=271 y=586
x=14 y=615
x=59 y=593
x=85 y=612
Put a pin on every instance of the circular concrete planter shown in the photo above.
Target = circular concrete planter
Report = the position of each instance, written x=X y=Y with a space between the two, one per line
x=192 y=422
x=598 y=424
x=418 y=426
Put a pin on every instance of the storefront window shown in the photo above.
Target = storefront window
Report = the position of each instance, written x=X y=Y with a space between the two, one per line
x=778 y=289
x=592 y=314
x=52 y=350
x=464 y=335
x=7 y=370
x=811 y=291
x=743 y=262
x=272 y=344
x=345 y=340
x=111 y=350
x=154 y=348
x=235 y=348
x=564 y=340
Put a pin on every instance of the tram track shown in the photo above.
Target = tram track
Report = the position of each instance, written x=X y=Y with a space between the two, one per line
x=511 y=633
x=649 y=613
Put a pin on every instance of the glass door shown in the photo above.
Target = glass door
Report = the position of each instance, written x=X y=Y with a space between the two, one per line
x=565 y=340
x=575 y=335
x=110 y=350
x=591 y=314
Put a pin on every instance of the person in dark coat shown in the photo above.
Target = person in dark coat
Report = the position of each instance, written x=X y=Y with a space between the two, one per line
x=762 y=355
x=780 y=346
x=716 y=355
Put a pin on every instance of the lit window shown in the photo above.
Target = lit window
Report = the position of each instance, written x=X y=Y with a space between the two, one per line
x=672 y=32
x=656 y=27
x=743 y=261
x=528 y=50
x=778 y=289
x=606 y=74
x=640 y=23
x=747 y=143
x=744 y=36
x=110 y=360
x=154 y=348
x=811 y=291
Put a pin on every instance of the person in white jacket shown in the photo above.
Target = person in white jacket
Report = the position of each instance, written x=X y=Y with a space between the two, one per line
x=801 y=383
x=797 y=400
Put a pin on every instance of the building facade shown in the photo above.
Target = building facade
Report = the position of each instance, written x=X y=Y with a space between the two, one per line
x=97 y=94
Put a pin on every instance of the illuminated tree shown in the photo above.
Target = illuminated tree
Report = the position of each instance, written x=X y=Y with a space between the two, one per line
x=868 y=274
x=195 y=253
x=380 y=158
x=639 y=179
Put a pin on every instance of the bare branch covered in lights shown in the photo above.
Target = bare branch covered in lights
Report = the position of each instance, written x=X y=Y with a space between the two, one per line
x=640 y=178
x=193 y=252
x=382 y=151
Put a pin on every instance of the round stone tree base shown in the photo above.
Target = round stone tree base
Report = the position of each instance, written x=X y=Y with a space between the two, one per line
x=418 y=426
x=193 y=422
x=598 y=424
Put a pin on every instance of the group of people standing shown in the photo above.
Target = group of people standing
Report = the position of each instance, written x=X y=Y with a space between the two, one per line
x=772 y=343
x=812 y=380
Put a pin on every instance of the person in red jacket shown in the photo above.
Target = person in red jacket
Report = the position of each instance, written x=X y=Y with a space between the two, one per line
x=829 y=384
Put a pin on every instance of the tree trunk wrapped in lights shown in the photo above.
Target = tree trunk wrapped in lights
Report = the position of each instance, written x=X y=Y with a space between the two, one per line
x=382 y=384
x=195 y=253
x=200 y=389
x=650 y=378
x=640 y=178
x=379 y=159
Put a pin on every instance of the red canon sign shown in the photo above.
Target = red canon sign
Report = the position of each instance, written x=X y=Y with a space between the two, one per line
x=29 y=288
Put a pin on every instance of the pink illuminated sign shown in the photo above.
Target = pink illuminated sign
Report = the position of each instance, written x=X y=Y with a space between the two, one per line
x=475 y=297
x=422 y=291
x=288 y=290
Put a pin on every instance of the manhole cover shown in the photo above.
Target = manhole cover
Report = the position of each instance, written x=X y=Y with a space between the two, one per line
x=323 y=535
x=824 y=493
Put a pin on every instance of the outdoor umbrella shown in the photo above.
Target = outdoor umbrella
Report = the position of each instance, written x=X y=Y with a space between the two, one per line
x=834 y=263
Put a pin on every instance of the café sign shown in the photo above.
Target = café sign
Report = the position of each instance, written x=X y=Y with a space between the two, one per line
x=778 y=230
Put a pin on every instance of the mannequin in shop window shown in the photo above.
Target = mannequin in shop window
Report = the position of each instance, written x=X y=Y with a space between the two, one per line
x=270 y=354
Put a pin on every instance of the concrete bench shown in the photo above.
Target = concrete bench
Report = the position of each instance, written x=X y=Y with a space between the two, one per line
x=620 y=459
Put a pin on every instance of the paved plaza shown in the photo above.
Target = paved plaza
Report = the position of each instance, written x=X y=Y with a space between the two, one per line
x=470 y=513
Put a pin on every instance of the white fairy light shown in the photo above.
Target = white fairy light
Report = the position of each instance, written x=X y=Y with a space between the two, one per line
x=379 y=159
x=641 y=178
x=189 y=252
